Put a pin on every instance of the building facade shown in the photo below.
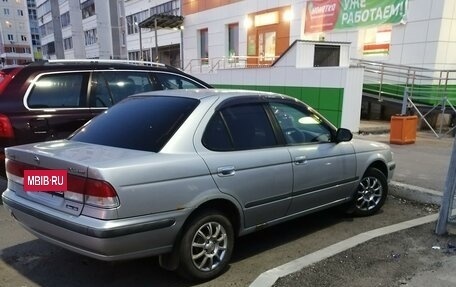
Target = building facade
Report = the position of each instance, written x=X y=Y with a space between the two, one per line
x=15 y=37
x=418 y=33
x=34 y=30
x=168 y=40
x=75 y=29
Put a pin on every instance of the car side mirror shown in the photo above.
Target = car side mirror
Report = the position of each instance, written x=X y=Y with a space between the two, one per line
x=343 y=135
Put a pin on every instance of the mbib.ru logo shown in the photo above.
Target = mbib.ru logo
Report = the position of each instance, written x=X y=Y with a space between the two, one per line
x=45 y=180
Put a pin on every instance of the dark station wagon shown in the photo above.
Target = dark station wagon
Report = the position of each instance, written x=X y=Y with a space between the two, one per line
x=51 y=99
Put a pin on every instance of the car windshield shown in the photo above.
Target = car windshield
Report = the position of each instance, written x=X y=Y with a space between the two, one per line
x=139 y=123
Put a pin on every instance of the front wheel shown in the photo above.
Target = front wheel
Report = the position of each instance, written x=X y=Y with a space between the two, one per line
x=206 y=246
x=370 y=194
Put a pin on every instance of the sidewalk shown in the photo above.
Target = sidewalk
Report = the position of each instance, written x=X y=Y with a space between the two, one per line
x=425 y=259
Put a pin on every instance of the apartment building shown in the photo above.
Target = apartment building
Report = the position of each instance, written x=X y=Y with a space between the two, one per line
x=163 y=45
x=89 y=29
x=15 y=37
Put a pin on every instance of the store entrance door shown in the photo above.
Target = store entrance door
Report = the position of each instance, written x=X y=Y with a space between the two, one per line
x=266 y=46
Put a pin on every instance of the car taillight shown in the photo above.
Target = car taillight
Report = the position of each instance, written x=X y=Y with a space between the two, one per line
x=93 y=192
x=89 y=191
x=15 y=168
x=6 y=129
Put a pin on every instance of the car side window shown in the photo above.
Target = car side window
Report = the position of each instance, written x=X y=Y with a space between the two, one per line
x=172 y=82
x=300 y=125
x=239 y=127
x=63 y=90
x=119 y=85
x=216 y=136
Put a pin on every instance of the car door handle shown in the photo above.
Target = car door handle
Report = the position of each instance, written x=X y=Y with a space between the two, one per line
x=300 y=159
x=226 y=171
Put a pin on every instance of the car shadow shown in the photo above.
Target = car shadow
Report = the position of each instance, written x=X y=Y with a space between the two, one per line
x=277 y=235
x=49 y=265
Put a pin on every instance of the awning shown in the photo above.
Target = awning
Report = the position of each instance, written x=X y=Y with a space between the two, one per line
x=162 y=21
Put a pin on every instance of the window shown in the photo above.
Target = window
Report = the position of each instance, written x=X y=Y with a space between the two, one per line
x=32 y=14
x=216 y=136
x=267 y=46
x=6 y=11
x=90 y=37
x=133 y=56
x=247 y=127
x=49 y=49
x=204 y=46
x=10 y=37
x=20 y=12
x=57 y=91
x=65 y=19
x=87 y=9
x=326 y=56
x=377 y=40
x=36 y=40
x=173 y=81
x=233 y=40
x=47 y=29
x=112 y=87
x=169 y=8
x=68 y=43
x=140 y=123
x=300 y=125
x=23 y=38
x=133 y=20
x=44 y=8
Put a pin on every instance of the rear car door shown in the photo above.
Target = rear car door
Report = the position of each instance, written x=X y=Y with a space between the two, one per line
x=246 y=161
x=57 y=106
x=324 y=170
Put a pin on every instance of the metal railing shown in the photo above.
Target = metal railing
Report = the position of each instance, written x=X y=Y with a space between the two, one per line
x=211 y=65
x=422 y=90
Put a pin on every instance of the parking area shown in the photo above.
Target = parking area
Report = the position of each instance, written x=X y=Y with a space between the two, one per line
x=27 y=261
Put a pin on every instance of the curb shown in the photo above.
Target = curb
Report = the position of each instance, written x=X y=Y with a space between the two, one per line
x=402 y=190
x=269 y=277
x=415 y=193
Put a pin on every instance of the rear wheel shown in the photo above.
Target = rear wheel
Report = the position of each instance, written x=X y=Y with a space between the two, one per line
x=206 y=246
x=370 y=194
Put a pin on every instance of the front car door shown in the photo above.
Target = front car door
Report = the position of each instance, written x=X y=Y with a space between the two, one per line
x=245 y=160
x=324 y=170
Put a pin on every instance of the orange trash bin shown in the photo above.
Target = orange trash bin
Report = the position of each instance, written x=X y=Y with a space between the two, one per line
x=403 y=129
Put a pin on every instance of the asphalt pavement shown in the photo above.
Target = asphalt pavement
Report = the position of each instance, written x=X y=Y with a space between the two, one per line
x=420 y=175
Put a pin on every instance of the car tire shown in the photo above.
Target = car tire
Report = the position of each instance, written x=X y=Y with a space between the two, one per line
x=370 y=194
x=206 y=246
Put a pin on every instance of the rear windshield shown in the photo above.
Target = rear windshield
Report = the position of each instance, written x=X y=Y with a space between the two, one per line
x=139 y=123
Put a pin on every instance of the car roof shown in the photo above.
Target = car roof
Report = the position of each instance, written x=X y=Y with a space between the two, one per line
x=59 y=65
x=204 y=93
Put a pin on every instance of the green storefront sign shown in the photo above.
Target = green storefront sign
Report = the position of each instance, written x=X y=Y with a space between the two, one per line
x=326 y=15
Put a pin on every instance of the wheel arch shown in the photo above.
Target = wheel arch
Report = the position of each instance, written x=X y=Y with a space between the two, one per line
x=225 y=206
x=380 y=165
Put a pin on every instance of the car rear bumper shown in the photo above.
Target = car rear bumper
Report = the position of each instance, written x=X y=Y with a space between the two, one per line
x=101 y=239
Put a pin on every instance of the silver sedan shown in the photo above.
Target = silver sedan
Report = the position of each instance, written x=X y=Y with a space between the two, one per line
x=181 y=174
